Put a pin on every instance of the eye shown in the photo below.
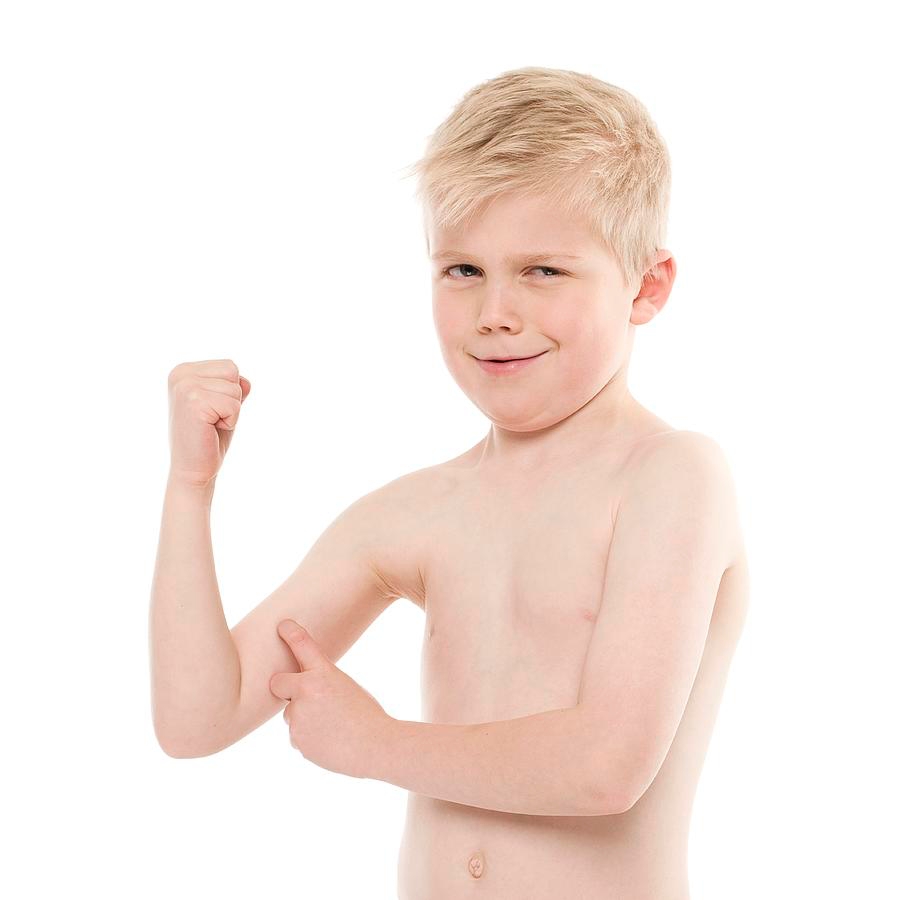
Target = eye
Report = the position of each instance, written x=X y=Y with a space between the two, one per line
x=556 y=272
x=460 y=266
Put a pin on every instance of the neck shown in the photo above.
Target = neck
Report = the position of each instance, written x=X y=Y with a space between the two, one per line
x=602 y=421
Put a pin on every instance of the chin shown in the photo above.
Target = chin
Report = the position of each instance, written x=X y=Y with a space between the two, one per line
x=525 y=420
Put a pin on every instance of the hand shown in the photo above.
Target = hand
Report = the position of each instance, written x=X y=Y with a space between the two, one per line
x=334 y=722
x=204 y=403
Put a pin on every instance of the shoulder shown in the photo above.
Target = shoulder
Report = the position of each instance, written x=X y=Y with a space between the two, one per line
x=407 y=494
x=688 y=468
x=679 y=453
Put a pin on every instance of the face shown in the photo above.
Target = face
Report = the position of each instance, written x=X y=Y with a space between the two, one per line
x=494 y=296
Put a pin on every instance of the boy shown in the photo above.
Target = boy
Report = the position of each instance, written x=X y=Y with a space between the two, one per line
x=581 y=569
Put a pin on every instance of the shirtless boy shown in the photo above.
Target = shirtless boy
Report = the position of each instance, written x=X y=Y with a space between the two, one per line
x=581 y=569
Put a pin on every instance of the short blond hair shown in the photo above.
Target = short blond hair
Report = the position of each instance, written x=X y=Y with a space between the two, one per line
x=586 y=144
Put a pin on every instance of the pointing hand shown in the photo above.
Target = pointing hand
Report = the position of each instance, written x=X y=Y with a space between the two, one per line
x=334 y=722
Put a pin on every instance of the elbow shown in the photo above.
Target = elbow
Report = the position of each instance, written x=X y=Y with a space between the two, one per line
x=627 y=796
x=615 y=796
x=630 y=780
x=171 y=748
x=613 y=803
x=204 y=737
x=165 y=742
x=181 y=749
x=624 y=803
x=173 y=752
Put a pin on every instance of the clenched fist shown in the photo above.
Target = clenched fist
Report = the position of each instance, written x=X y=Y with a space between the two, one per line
x=204 y=404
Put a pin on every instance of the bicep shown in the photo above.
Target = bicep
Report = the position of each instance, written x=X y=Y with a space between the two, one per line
x=336 y=592
x=673 y=538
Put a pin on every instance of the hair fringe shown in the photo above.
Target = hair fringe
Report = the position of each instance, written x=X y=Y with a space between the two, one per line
x=584 y=144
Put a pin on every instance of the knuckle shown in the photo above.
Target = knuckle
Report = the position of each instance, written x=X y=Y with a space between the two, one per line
x=180 y=373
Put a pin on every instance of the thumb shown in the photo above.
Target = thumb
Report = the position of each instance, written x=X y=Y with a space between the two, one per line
x=306 y=651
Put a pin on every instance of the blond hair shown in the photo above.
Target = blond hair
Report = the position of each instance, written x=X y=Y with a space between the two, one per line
x=583 y=143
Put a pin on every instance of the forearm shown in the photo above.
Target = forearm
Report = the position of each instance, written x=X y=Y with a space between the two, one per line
x=194 y=663
x=537 y=765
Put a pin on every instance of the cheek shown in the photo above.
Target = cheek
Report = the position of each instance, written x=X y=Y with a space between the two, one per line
x=449 y=322
x=591 y=347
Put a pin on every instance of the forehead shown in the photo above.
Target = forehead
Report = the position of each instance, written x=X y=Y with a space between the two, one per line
x=514 y=225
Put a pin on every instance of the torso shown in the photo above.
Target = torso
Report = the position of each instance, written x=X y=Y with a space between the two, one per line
x=509 y=576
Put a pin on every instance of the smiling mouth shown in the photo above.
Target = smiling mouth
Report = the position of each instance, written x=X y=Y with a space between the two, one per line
x=510 y=358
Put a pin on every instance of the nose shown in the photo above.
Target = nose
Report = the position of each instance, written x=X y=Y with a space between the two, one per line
x=498 y=312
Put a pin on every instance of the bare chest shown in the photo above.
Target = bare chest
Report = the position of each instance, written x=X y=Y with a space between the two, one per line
x=513 y=583
x=512 y=587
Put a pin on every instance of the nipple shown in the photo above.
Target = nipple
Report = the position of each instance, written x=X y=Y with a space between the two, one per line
x=476 y=864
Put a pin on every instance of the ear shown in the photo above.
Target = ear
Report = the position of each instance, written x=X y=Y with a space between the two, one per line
x=656 y=286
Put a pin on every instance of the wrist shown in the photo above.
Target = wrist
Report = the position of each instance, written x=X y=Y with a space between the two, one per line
x=192 y=491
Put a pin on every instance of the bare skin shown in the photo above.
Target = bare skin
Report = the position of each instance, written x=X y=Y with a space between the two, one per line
x=511 y=576
x=511 y=548
x=505 y=549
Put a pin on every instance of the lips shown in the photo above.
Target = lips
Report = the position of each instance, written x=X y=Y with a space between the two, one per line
x=509 y=366
x=508 y=358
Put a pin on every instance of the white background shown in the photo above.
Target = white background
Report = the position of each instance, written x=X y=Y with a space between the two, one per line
x=187 y=181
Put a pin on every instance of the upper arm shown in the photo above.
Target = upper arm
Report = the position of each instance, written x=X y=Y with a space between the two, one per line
x=335 y=592
x=673 y=538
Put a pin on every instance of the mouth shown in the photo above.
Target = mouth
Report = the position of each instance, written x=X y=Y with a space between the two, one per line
x=508 y=358
x=510 y=365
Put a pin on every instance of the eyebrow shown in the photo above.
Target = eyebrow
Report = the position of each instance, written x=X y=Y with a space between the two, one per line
x=537 y=256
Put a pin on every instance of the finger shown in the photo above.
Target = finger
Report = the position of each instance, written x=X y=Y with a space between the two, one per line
x=306 y=651
x=215 y=368
x=219 y=385
x=284 y=685
x=220 y=400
